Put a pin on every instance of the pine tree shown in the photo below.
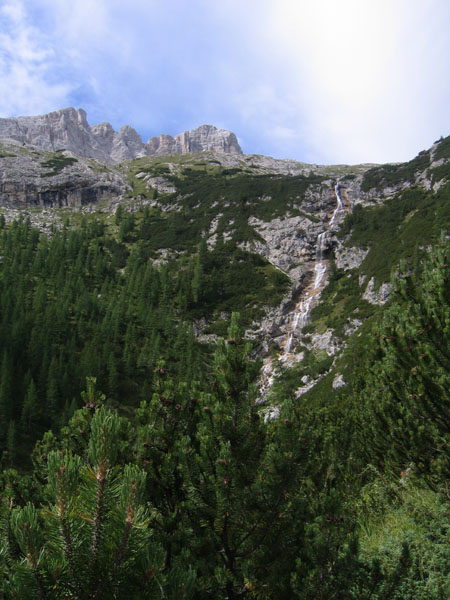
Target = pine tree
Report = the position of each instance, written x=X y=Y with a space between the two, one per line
x=197 y=279
x=11 y=443
x=236 y=497
x=118 y=215
x=163 y=422
x=6 y=407
x=95 y=522
x=405 y=402
x=31 y=412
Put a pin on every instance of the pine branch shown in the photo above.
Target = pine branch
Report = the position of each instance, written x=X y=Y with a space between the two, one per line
x=97 y=524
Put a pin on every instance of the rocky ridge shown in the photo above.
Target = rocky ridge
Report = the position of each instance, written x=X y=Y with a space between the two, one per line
x=68 y=129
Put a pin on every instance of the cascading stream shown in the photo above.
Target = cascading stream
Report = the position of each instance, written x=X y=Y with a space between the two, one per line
x=320 y=268
x=303 y=307
x=301 y=316
x=339 y=207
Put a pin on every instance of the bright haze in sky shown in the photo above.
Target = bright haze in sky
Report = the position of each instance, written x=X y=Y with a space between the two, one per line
x=321 y=81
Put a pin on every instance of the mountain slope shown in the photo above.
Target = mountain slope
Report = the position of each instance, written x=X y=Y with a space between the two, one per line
x=325 y=237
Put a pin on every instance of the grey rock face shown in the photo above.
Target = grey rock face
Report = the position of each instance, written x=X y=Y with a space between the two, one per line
x=350 y=258
x=68 y=129
x=27 y=178
x=203 y=139
x=380 y=296
x=207 y=137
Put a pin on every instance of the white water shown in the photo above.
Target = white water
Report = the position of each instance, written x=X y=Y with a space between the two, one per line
x=320 y=245
x=300 y=316
x=339 y=207
x=320 y=269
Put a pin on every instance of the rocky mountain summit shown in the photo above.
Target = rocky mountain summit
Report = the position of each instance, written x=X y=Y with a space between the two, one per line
x=68 y=129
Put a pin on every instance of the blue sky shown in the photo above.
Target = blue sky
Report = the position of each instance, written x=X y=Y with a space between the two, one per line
x=322 y=81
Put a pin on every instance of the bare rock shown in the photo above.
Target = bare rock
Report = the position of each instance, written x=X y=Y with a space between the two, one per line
x=208 y=138
x=349 y=258
x=68 y=129
x=338 y=381
x=205 y=138
x=31 y=178
x=325 y=341
x=380 y=296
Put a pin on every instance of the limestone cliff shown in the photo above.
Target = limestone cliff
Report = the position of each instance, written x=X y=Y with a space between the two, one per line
x=204 y=138
x=68 y=129
x=31 y=177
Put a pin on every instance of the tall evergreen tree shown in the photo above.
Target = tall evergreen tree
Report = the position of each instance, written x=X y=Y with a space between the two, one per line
x=6 y=390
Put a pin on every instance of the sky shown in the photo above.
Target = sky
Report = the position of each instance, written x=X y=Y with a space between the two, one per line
x=320 y=81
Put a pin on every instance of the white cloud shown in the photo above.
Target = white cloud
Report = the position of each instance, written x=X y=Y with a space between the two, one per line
x=368 y=73
x=356 y=80
x=27 y=60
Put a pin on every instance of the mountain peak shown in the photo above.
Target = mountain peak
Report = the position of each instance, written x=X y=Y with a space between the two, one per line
x=69 y=129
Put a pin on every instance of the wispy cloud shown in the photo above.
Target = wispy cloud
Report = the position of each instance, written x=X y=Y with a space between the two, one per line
x=27 y=65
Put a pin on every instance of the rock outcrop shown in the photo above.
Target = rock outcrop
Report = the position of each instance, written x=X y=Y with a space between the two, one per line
x=204 y=138
x=31 y=178
x=68 y=129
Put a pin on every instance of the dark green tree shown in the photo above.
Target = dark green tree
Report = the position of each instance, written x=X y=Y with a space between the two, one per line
x=94 y=522
x=405 y=401
x=237 y=498
x=6 y=394
x=31 y=412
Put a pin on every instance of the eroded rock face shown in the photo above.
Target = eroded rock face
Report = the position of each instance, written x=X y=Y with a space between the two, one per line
x=380 y=296
x=30 y=178
x=68 y=129
x=205 y=138
x=349 y=258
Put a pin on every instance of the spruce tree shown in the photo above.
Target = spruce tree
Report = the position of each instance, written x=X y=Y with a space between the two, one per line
x=31 y=412
x=6 y=396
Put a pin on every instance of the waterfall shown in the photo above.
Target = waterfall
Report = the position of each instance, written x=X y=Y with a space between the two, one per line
x=300 y=316
x=320 y=269
x=339 y=206
x=320 y=245
x=305 y=310
x=303 y=307
x=287 y=348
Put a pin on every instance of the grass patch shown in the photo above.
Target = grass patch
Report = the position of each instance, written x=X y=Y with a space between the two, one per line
x=57 y=162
